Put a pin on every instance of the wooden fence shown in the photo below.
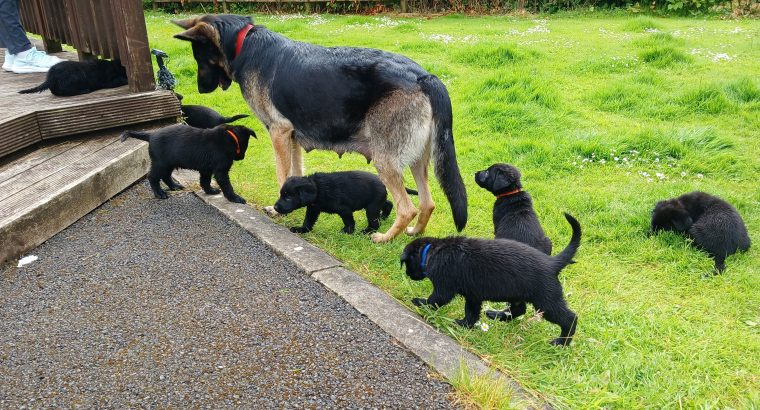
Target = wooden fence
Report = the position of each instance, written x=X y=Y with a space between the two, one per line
x=106 y=28
x=307 y=3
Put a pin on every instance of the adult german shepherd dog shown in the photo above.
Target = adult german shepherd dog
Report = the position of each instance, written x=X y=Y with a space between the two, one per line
x=381 y=105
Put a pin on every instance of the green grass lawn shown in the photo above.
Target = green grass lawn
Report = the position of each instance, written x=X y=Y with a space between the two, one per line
x=604 y=115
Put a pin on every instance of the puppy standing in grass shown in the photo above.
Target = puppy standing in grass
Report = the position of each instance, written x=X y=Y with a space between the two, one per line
x=513 y=218
x=714 y=225
x=210 y=152
x=499 y=270
x=341 y=193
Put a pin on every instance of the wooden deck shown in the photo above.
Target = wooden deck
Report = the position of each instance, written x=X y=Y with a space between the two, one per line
x=26 y=119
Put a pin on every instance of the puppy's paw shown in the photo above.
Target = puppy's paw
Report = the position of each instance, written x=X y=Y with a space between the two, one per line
x=419 y=301
x=270 y=211
x=237 y=199
x=299 y=229
x=463 y=323
x=503 y=315
x=561 y=341
x=176 y=187
x=368 y=230
x=348 y=229
x=212 y=191
x=161 y=194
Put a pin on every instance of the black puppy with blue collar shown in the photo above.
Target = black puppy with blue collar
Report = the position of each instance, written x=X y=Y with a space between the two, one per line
x=498 y=270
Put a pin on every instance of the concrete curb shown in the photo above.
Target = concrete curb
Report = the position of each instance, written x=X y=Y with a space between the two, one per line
x=439 y=351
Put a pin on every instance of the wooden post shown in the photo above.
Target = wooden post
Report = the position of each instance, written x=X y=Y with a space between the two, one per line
x=307 y=7
x=224 y=6
x=132 y=38
x=51 y=46
x=403 y=6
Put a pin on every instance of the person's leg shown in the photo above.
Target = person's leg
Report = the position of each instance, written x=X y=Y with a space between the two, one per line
x=12 y=35
x=20 y=56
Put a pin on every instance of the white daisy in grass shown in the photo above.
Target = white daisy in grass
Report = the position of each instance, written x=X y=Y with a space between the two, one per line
x=484 y=326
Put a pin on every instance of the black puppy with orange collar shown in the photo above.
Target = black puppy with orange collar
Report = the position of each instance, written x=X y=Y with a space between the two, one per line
x=513 y=218
x=208 y=151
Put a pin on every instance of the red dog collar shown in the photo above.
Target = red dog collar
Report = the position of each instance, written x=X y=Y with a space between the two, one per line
x=237 y=143
x=509 y=193
x=240 y=38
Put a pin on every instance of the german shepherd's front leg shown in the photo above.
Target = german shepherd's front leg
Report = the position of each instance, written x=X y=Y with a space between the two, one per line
x=282 y=142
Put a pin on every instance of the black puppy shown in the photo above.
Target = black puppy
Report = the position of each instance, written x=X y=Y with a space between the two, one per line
x=499 y=270
x=340 y=193
x=714 y=225
x=513 y=215
x=203 y=117
x=513 y=218
x=69 y=78
x=210 y=152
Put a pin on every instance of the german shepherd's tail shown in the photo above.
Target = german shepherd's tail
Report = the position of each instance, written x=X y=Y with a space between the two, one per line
x=234 y=118
x=140 y=135
x=38 y=89
x=565 y=257
x=446 y=168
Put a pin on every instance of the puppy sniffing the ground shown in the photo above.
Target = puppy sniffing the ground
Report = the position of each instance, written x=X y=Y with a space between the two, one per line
x=70 y=78
x=499 y=270
x=513 y=218
x=203 y=117
x=341 y=193
x=210 y=152
x=714 y=225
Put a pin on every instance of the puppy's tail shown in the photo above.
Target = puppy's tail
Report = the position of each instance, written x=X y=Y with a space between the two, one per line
x=140 y=135
x=446 y=168
x=410 y=191
x=566 y=256
x=227 y=120
x=38 y=89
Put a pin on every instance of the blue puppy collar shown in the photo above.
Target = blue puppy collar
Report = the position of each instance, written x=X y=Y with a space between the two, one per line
x=423 y=263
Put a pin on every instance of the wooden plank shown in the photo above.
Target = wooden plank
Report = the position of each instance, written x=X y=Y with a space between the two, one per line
x=131 y=109
x=18 y=132
x=132 y=38
x=52 y=184
x=12 y=187
x=34 y=158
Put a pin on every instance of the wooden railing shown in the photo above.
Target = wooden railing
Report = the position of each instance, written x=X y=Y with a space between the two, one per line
x=307 y=3
x=107 y=28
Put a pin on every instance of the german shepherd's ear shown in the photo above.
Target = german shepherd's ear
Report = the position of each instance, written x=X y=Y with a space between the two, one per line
x=186 y=23
x=201 y=32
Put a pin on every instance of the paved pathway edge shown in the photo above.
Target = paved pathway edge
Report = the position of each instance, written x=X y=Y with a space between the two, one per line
x=439 y=351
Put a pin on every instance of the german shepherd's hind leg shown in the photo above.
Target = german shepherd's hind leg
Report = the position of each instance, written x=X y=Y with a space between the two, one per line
x=282 y=142
x=296 y=162
x=405 y=210
x=420 y=173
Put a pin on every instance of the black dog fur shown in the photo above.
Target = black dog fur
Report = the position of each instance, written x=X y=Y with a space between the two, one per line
x=513 y=218
x=69 y=78
x=203 y=117
x=499 y=270
x=210 y=152
x=341 y=193
x=714 y=225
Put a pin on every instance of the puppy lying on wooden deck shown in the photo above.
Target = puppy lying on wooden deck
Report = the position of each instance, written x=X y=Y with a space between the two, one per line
x=341 y=193
x=714 y=225
x=500 y=270
x=69 y=78
x=210 y=152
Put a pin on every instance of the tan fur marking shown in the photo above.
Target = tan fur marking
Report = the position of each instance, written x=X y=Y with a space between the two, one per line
x=405 y=210
x=296 y=165
x=420 y=173
x=282 y=142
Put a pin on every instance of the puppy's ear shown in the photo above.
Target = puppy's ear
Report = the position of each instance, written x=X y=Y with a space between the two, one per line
x=500 y=181
x=308 y=194
x=404 y=258
x=682 y=224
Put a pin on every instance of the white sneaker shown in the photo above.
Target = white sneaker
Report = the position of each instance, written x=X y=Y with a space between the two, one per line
x=8 y=62
x=34 y=61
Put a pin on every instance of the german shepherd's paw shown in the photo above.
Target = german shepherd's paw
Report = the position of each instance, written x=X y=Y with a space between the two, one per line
x=378 y=237
x=413 y=231
x=270 y=211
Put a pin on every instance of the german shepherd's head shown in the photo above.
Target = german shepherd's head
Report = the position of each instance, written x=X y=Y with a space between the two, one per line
x=213 y=38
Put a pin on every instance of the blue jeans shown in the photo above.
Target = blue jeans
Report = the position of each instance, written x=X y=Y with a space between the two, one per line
x=12 y=35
